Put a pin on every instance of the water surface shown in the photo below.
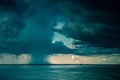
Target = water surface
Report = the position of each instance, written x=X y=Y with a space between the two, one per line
x=59 y=72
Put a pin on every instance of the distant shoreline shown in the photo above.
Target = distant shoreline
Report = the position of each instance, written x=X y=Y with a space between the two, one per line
x=58 y=64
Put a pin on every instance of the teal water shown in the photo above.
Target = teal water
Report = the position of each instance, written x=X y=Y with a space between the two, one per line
x=59 y=72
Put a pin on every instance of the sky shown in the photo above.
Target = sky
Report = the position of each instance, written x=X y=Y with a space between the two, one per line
x=59 y=32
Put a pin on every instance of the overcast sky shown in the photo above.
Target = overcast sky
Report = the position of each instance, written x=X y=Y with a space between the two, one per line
x=33 y=30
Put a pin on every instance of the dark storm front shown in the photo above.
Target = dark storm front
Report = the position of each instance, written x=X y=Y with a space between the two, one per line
x=35 y=29
x=60 y=72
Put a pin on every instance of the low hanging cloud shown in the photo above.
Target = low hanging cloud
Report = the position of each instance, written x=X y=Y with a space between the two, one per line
x=78 y=59
x=6 y=58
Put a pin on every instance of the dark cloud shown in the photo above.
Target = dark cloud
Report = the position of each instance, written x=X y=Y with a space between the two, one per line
x=38 y=32
x=59 y=47
x=88 y=50
x=26 y=22
x=92 y=21
x=26 y=26
x=20 y=7
x=12 y=17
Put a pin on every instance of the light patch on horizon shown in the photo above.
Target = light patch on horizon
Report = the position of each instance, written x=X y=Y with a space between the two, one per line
x=77 y=59
x=6 y=58
x=67 y=41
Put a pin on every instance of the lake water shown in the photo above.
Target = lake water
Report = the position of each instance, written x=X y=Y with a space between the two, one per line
x=59 y=72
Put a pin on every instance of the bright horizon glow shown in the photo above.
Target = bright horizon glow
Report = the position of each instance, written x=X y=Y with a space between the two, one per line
x=6 y=58
x=77 y=59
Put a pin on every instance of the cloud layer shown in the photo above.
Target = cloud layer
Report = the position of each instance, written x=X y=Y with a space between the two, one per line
x=6 y=58
x=95 y=22
x=77 y=59
x=74 y=26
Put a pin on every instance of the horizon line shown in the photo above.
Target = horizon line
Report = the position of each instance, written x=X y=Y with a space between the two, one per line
x=59 y=64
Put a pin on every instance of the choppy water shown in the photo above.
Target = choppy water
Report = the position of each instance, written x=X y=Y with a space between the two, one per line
x=59 y=72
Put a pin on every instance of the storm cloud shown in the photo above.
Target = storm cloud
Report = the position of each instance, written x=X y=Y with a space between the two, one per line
x=23 y=24
x=12 y=21
x=92 y=21
x=44 y=27
x=26 y=27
